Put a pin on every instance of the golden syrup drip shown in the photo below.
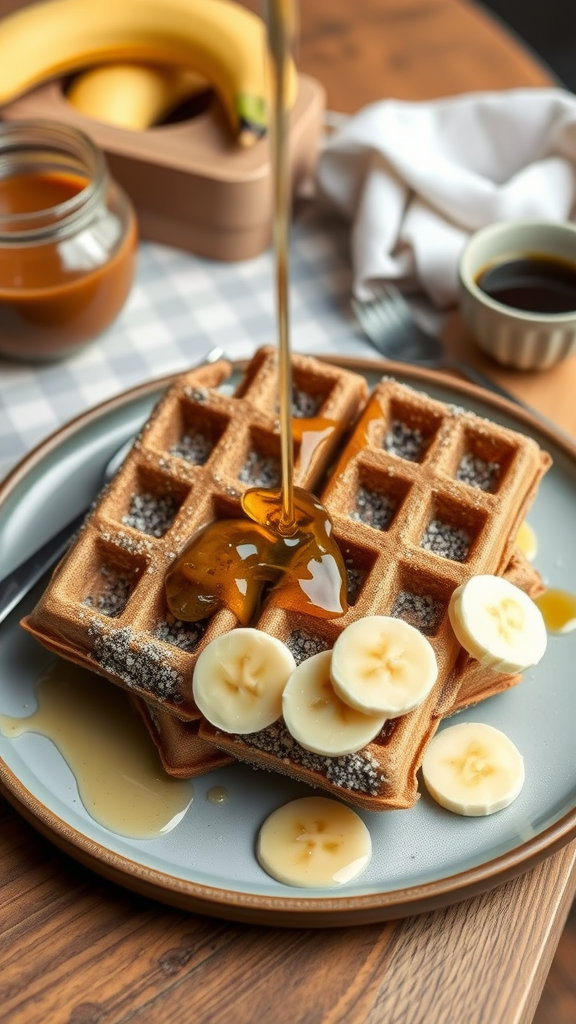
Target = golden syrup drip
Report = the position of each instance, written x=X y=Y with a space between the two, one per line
x=217 y=795
x=225 y=565
x=229 y=562
x=558 y=609
x=312 y=575
x=527 y=541
x=311 y=434
x=105 y=744
x=361 y=437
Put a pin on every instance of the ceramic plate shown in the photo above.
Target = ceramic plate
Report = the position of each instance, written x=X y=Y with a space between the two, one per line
x=424 y=857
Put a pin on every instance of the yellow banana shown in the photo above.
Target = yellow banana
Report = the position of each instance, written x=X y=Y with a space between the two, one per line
x=133 y=96
x=219 y=39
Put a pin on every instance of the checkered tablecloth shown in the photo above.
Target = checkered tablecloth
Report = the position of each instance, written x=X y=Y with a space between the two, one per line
x=181 y=306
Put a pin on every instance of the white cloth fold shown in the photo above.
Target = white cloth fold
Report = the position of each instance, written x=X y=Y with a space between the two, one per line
x=416 y=179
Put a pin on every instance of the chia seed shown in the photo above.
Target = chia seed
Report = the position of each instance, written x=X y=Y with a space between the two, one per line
x=304 y=645
x=113 y=597
x=420 y=610
x=373 y=509
x=446 y=540
x=136 y=546
x=477 y=472
x=405 y=442
x=359 y=771
x=260 y=470
x=184 y=635
x=305 y=406
x=151 y=513
x=137 y=661
x=196 y=394
x=355 y=579
x=194 y=448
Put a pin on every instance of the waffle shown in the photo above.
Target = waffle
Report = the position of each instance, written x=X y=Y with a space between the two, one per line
x=185 y=755
x=105 y=607
x=423 y=497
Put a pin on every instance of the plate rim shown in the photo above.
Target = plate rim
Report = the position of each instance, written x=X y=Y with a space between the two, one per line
x=254 y=908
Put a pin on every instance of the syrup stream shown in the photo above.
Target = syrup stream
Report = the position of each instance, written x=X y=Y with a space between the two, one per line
x=280 y=34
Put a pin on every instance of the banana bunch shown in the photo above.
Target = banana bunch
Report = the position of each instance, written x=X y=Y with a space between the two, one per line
x=220 y=40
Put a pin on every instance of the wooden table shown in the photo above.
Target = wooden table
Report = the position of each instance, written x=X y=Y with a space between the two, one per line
x=78 y=950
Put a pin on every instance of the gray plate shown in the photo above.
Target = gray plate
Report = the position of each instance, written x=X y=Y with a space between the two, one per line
x=423 y=857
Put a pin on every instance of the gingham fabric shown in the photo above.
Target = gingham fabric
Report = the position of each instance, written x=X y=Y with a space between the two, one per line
x=180 y=306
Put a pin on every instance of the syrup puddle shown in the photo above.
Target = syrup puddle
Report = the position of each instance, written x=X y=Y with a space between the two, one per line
x=105 y=744
x=217 y=795
x=527 y=541
x=558 y=609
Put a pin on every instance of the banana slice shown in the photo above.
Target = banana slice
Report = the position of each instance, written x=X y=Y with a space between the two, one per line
x=317 y=718
x=498 y=624
x=473 y=769
x=314 y=842
x=239 y=678
x=383 y=666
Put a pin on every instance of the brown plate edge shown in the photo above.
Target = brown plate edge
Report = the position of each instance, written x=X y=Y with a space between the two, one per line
x=287 y=912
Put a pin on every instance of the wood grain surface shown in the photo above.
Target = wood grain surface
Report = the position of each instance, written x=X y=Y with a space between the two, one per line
x=75 y=949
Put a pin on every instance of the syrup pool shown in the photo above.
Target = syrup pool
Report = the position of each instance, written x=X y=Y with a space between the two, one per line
x=105 y=744
x=558 y=609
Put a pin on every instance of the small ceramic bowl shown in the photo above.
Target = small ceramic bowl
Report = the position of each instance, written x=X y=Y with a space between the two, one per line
x=514 y=337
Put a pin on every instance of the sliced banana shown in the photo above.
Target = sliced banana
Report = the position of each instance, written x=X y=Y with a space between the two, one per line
x=473 y=769
x=239 y=678
x=314 y=842
x=316 y=716
x=498 y=624
x=383 y=666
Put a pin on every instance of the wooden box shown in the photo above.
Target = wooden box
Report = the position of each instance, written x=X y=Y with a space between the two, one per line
x=192 y=185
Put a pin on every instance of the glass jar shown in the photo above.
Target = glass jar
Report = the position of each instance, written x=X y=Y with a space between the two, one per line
x=68 y=240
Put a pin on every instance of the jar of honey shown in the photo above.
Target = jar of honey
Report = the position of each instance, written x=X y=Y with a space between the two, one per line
x=68 y=241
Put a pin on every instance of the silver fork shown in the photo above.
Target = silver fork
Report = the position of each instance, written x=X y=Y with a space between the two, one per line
x=389 y=325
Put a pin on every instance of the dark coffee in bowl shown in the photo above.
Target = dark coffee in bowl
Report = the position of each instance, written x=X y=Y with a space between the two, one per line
x=532 y=282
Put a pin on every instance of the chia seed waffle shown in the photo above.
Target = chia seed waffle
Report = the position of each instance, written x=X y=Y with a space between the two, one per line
x=105 y=607
x=423 y=497
x=184 y=754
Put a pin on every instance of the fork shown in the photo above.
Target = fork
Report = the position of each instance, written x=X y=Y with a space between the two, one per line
x=390 y=326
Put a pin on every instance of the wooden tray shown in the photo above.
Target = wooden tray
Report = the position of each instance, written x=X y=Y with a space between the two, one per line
x=192 y=185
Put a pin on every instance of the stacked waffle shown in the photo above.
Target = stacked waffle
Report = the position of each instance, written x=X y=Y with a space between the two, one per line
x=423 y=496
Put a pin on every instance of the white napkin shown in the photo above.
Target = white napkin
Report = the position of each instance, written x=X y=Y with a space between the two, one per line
x=415 y=179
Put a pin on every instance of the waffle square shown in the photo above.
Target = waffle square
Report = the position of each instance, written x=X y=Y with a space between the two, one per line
x=104 y=607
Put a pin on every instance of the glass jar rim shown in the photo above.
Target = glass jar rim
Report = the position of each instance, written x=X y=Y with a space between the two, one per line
x=22 y=142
